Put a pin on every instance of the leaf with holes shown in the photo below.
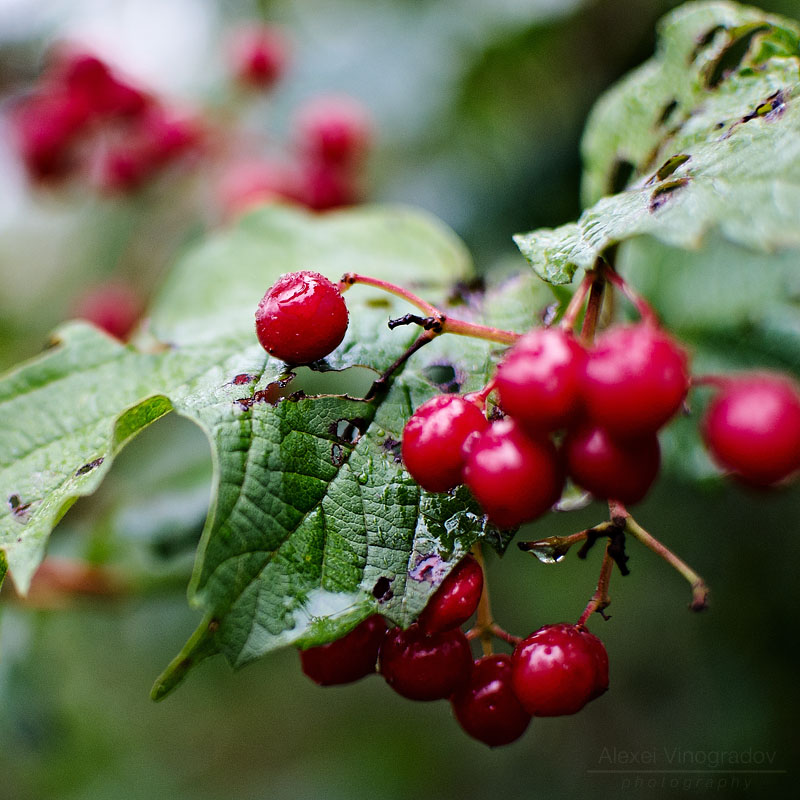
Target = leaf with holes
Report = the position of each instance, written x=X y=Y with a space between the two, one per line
x=704 y=136
x=313 y=524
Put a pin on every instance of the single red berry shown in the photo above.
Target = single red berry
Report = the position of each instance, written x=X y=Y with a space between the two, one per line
x=609 y=467
x=333 y=130
x=301 y=318
x=752 y=427
x=515 y=478
x=258 y=56
x=487 y=708
x=422 y=667
x=539 y=379
x=347 y=659
x=635 y=378
x=456 y=599
x=556 y=671
x=113 y=307
x=434 y=437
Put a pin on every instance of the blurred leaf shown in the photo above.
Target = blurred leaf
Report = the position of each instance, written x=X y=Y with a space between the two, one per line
x=709 y=129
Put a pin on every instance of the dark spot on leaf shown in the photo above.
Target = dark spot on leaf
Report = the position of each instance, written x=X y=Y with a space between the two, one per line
x=730 y=59
x=382 y=590
x=392 y=446
x=337 y=455
x=90 y=466
x=668 y=167
x=272 y=394
x=19 y=509
x=429 y=569
x=213 y=626
x=241 y=379
x=772 y=108
x=667 y=112
x=294 y=397
x=621 y=174
x=663 y=193
x=348 y=431
x=705 y=40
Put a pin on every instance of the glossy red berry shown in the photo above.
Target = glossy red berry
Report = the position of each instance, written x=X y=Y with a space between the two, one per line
x=456 y=599
x=635 y=378
x=752 y=427
x=434 y=437
x=539 y=379
x=487 y=708
x=347 y=659
x=556 y=670
x=422 y=667
x=302 y=318
x=515 y=478
x=609 y=467
x=258 y=56
x=333 y=129
x=597 y=648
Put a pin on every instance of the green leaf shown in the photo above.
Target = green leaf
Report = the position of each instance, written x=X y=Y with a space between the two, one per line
x=709 y=130
x=313 y=523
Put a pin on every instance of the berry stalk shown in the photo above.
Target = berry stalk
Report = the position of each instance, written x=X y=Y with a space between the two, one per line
x=600 y=600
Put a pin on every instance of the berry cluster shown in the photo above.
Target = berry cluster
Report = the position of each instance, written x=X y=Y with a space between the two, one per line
x=83 y=119
x=567 y=406
x=554 y=671
x=604 y=403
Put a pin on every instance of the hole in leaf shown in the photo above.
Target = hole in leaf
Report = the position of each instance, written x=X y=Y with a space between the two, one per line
x=272 y=394
x=382 y=590
x=705 y=40
x=667 y=112
x=349 y=431
x=669 y=166
x=730 y=59
x=353 y=381
x=337 y=455
x=621 y=174
x=443 y=376
x=664 y=192
x=392 y=446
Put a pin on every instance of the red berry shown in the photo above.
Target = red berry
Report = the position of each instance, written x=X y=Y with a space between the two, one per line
x=347 y=659
x=322 y=187
x=113 y=307
x=539 y=379
x=514 y=478
x=601 y=663
x=752 y=427
x=456 y=599
x=557 y=670
x=487 y=708
x=422 y=667
x=434 y=437
x=258 y=56
x=334 y=130
x=301 y=318
x=635 y=379
x=609 y=467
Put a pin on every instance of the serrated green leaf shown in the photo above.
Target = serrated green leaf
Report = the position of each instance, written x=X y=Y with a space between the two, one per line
x=710 y=128
x=313 y=522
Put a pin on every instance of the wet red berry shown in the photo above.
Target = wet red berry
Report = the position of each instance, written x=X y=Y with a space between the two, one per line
x=347 y=659
x=456 y=599
x=752 y=427
x=609 y=467
x=597 y=648
x=515 y=478
x=434 y=437
x=302 y=318
x=539 y=379
x=635 y=379
x=487 y=708
x=557 y=670
x=422 y=667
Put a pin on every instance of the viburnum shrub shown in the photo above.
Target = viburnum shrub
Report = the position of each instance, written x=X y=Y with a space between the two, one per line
x=362 y=468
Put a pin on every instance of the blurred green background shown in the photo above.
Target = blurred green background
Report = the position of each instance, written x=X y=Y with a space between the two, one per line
x=479 y=107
